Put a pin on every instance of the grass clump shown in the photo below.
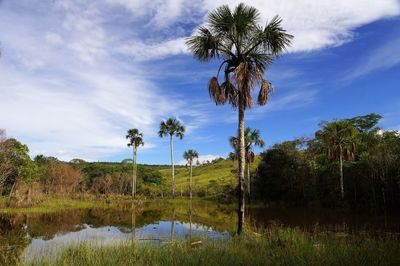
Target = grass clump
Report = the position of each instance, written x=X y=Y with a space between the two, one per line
x=276 y=246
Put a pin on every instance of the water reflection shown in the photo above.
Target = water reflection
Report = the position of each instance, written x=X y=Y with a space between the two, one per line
x=155 y=233
x=26 y=236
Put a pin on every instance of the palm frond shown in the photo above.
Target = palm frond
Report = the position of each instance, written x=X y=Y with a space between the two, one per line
x=203 y=46
x=272 y=40
x=221 y=20
x=216 y=92
x=265 y=92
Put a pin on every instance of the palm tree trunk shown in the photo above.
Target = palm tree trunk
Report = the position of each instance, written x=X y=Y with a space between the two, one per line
x=190 y=180
x=133 y=172
x=248 y=180
x=341 y=172
x=241 y=165
x=172 y=164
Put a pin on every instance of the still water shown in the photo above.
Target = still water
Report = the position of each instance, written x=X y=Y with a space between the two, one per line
x=28 y=236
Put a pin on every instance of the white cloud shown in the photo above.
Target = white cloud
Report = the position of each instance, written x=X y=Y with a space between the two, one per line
x=315 y=24
x=323 y=23
x=145 y=51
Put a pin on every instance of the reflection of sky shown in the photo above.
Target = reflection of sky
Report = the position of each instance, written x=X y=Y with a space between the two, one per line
x=113 y=235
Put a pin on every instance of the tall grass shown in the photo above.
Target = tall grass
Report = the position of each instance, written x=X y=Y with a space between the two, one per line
x=53 y=203
x=277 y=246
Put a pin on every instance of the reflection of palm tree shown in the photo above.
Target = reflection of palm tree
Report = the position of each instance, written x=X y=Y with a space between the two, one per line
x=190 y=222
x=247 y=49
x=173 y=225
x=133 y=222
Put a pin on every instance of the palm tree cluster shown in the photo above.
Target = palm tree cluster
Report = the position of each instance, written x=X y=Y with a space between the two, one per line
x=246 y=49
x=135 y=139
x=339 y=139
x=168 y=128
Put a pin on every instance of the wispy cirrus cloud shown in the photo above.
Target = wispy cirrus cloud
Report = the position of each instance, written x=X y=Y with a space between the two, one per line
x=383 y=57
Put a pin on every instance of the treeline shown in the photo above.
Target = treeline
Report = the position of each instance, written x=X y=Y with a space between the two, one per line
x=349 y=162
x=23 y=180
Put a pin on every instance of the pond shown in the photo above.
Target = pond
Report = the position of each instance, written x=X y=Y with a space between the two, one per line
x=29 y=236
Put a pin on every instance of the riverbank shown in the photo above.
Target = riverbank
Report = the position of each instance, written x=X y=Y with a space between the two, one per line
x=50 y=204
x=275 y=246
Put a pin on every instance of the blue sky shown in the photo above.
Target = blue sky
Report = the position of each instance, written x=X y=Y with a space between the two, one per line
x=75 y=75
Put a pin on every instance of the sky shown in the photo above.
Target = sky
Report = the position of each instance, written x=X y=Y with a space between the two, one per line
x=75 y=75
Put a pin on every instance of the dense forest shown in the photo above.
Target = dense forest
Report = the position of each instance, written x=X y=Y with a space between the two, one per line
x=349 y=163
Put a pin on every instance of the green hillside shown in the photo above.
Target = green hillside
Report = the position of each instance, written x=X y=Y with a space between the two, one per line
x=208 y=179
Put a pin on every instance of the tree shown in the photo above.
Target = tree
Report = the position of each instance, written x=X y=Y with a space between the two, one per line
x=246 y=49
x=338 y=138
x=189 y=156
x=5 y=161
x=251 y=138
x=172 y=127
x=135 y=140
x=15 y=164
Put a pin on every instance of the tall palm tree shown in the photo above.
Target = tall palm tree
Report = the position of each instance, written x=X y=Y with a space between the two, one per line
x=189 y=156
x=246 y=50
x=338 y=138
x=135 y=140
x=252 y=138
x=172 y=127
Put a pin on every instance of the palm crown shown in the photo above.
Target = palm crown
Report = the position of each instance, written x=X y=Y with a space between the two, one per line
x=247 y=49
x=171 y=127
x=190 y=155
x=251 y=138
x=338 y=138
x=135 y=138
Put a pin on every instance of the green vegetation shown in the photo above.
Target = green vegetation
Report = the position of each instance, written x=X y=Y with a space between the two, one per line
x=276 y=246
x=48 y=204
x=216 y=179
x=350 y=163
x=299 y=172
